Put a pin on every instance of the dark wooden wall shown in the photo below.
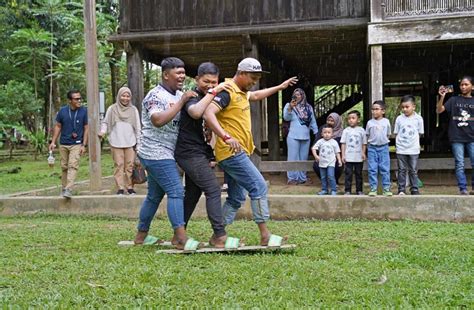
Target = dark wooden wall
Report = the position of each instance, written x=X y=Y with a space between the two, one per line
x=155 y=15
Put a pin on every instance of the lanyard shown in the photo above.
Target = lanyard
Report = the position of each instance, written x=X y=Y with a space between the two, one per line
x=74 y=121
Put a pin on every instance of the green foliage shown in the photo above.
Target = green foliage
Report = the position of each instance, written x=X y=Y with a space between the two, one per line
x=74 y=262
x=18 y=105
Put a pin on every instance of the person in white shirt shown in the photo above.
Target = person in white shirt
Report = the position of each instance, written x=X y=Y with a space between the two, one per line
x=122 y=124
x=408 y=128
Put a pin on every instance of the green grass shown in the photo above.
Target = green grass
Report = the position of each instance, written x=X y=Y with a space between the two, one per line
x=37 y=174
x=74 y=262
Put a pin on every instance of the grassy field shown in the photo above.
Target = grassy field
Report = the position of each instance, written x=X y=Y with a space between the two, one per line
x=31 y=174
x=74 y=262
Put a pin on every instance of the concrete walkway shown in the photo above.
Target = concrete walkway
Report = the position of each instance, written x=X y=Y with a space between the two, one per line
x=282 y=207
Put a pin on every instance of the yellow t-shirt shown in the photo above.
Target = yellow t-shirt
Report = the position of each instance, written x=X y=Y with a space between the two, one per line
x=235 y=119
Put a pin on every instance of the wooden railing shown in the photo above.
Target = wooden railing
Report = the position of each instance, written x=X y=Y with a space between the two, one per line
x=333 y=97
x=406 y=8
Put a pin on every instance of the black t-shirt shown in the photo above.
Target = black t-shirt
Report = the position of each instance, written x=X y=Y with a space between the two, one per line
x=191 y=140
x=461 y=119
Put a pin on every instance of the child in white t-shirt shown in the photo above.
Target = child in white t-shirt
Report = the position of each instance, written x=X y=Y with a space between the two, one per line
x=353 y=148
x=408 y=128
x=326 y=152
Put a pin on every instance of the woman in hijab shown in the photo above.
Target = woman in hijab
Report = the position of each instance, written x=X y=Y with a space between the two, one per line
x=334 y=120
x=122 y=124
x=301 y=117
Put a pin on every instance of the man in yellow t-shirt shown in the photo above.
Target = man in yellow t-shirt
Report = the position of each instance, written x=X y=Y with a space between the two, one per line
x=229 y=117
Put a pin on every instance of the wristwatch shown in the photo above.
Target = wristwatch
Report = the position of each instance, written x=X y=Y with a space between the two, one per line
x=212 y=91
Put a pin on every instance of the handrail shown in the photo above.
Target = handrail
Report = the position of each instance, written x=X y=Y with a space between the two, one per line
x=333 y=97
x=406 y=8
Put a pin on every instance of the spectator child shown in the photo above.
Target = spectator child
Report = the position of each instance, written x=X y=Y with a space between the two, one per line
x=353 y=147
x=408 y=128
x=378 y=130
x=329 y=151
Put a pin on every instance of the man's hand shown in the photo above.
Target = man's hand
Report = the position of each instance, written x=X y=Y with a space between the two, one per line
x=316 y=158
x=223 y=86
x=234 y=145
x=442 y=91
x=364 y=157
x=101 y=135
x=83 y=150
x=339 y=163
x=343 y=159
x=51 y=146
x=290 y=82
x=188 y=95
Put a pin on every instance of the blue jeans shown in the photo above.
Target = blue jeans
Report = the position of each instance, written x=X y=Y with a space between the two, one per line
x=163 y=177
x=328 y=178
x=378 y=161
x=297 y=150
x=242 y=177
x=458 y=152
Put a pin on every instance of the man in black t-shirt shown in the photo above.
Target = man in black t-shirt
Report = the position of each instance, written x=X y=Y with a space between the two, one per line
x=461 y=128
x=195 y=156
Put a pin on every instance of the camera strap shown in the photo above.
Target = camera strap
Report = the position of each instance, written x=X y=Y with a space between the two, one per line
x=73 y=120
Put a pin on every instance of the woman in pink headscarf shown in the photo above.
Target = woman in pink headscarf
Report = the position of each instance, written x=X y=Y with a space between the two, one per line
x=122 y=124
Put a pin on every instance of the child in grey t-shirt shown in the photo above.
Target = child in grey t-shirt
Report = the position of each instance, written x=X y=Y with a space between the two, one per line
x=353 y=147
x=326 y=152
x=408 y=128
x=378 y=157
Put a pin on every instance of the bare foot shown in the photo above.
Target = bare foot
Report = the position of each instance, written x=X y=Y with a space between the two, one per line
x=140 y=237
x=218 y=242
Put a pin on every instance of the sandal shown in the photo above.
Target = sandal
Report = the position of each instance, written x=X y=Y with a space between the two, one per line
x=275 y=241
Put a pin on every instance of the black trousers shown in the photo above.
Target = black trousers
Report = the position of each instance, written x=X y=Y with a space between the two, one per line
x=199 y=177
x=349 y=170
x=407 y=162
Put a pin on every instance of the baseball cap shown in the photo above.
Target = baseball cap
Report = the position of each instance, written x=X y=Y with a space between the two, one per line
x=250 y=65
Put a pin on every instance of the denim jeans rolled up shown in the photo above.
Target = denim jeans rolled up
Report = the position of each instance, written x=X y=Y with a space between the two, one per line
x=163 y=178
x=328 y=179
x=242 y=176
x=297 y=150
x=378 y=161
x=458 y=153
x=199 y=177
x=410 y=163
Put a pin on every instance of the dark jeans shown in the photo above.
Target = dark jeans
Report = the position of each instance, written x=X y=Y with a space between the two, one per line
x=337 y=171
x=407 y=162
x=200 y=178
x=349 y=170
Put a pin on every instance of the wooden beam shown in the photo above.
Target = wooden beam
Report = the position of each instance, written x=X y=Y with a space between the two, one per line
x=421 y=30
x=241 y=30
x=135 y=75
x=92 y=82
x=376 y=10
x=376 y=73
x=273 y=117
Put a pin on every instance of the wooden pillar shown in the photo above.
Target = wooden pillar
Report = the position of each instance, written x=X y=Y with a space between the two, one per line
x=135 y=76
x=250 y=49
x=92 y=82
x=376 y=73
x=273 y=118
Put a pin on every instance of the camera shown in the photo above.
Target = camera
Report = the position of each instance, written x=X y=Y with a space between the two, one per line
x=74 y=135
x=449 y=88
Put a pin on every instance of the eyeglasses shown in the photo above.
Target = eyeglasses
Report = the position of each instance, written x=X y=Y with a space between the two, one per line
x=375 y=109
x=77 y=99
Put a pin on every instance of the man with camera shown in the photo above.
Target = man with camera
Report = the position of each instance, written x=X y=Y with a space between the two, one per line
x=72 y=124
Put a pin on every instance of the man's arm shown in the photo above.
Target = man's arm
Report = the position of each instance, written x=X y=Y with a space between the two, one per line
x=213 y=123
x=343 y=151
x=196 y=111
x=85 y=140
x=164 y=117
x=264 y=93
x=56 y=132
x=442 y=91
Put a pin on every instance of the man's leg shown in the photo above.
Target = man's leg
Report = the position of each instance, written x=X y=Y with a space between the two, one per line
x=403 y=163
x=470 y=152
x=458 y=153
x=235 y=197
x=128 y=167
x=118 y=155
x=73 y=165
x=64 y=153
x=192 y=193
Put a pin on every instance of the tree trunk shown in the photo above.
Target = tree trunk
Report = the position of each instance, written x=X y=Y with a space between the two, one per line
x=115 y=58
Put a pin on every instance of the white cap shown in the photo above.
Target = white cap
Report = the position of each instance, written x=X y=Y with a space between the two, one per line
x=250 y=65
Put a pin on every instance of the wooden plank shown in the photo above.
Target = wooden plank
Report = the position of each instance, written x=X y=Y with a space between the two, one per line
x=254 y=248
x=423 y=164
x=92 y=82
x=135 y=76
x=422 y=30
